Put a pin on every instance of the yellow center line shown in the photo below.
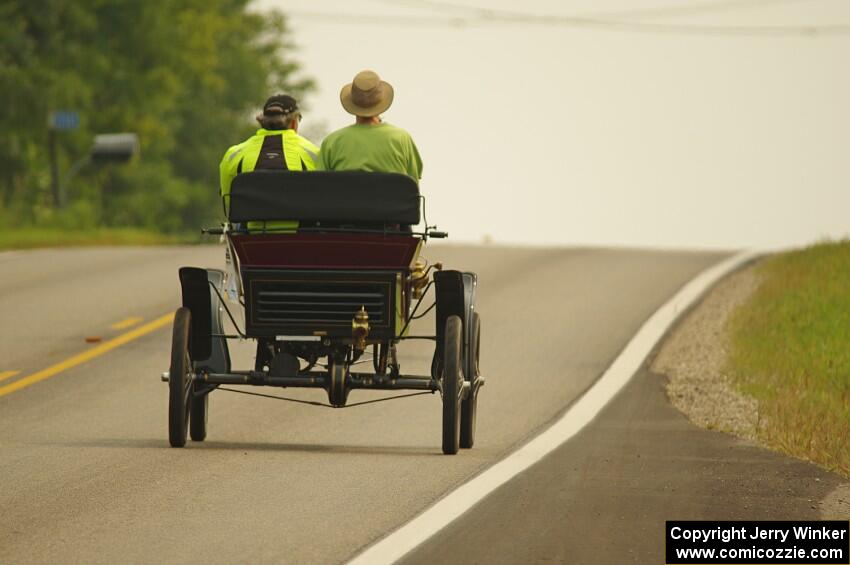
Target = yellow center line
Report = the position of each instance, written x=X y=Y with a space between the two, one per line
x=7 y=374
x=124 y=324
x=87 y=355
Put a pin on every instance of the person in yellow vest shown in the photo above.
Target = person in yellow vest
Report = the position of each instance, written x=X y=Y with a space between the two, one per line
x=276 y=145
x=370 y=144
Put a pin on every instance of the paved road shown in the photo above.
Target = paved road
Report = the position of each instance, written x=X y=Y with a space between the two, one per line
x=86 y=472
x=603 y=497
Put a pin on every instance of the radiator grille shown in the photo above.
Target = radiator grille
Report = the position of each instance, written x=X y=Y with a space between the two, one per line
x=327 y=301
x=288 y=302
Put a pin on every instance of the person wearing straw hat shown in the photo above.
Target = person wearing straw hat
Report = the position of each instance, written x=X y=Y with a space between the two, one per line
x=370 y=144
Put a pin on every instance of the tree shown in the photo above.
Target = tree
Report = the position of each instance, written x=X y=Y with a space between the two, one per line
x=185 y=75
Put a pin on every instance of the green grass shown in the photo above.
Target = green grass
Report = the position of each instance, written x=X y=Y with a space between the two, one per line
x=30 y=238
x=790 y=349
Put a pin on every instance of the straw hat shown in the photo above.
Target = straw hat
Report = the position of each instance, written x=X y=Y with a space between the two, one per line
x=367 y=95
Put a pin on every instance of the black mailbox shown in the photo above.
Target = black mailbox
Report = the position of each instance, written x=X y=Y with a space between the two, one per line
x=115 y=147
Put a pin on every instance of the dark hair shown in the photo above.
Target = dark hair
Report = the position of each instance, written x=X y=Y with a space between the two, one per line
x=277 y=120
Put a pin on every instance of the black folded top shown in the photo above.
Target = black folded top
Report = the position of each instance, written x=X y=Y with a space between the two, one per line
x=339 y=196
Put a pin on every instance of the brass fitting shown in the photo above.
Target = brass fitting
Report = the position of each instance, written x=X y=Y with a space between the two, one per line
x=419 y=278
x=360 y=328
x=420 y=275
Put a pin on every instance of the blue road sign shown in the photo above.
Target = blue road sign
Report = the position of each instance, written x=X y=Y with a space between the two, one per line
x=64 y=120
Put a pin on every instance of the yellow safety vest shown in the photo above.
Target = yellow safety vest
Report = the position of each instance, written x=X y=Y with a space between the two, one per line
x=267 y=149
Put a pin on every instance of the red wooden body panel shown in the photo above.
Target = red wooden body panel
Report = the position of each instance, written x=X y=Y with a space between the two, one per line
x=322 y=250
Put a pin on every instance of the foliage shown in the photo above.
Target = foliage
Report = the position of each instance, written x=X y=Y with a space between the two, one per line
x=183 y=74
x=789 y=349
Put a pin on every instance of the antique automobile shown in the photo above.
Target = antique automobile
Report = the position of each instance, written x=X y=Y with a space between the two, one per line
x=339 y=280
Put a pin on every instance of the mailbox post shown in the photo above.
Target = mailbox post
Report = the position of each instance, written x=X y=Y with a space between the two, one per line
x=60 y=120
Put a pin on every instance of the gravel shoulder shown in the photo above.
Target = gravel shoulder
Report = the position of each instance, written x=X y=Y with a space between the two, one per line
x=693 y=358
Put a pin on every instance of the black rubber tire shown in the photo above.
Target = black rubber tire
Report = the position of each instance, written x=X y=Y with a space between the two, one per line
x=469 y=406
x=452 y=383
x=337 y=389
x=198 y=416
x=179 y=388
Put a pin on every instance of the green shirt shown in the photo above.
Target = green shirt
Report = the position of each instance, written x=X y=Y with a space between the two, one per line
x=377 y=148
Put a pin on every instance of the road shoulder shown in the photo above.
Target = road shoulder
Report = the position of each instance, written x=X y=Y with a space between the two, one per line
x=692 y=362
x=604 y=496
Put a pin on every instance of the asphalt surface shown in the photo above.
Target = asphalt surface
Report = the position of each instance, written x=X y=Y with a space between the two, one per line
x=603 y=497
x=87 y=475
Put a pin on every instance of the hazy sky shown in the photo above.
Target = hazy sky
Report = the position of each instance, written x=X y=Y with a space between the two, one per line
x=554 y=133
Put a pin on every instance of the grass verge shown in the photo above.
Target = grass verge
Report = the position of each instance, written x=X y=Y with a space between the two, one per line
x=30 y=238
x=790 y=350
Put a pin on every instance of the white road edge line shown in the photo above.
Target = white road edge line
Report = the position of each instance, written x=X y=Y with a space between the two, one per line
x=406 y=538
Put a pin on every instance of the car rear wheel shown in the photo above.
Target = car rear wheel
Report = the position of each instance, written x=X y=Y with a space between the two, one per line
x=452 y=384
x=469 y=406
x=179 y=381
